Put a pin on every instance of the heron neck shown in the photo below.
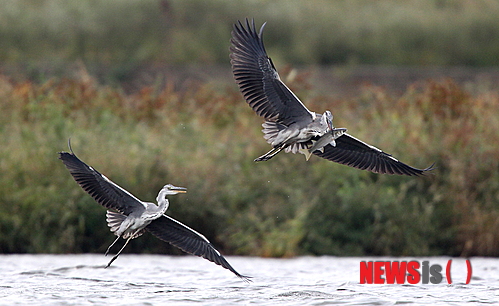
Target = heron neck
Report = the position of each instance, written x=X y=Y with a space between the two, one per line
x=162 y=201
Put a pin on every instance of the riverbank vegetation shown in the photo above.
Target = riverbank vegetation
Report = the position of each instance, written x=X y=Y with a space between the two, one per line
x=123 y=34
x=77 y=69
x=205 y=139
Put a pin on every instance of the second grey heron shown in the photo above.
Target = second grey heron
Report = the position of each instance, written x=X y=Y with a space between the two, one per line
x=128 y=217
x=289 y=125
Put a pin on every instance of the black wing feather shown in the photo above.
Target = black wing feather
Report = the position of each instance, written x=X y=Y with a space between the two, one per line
x=352 y=152
x=103 y=190
x=258 y=79
x=188 y=240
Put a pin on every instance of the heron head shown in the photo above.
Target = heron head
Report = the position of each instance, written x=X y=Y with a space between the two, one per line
x=172 y=190
x=327 y=118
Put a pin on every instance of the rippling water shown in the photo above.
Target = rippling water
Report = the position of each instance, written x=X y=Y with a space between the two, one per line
x=187 y=280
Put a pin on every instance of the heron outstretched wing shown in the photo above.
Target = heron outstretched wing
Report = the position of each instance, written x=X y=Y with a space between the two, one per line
x=102 y=189
x=258 y=79
x=355 y=153
x=188 y=240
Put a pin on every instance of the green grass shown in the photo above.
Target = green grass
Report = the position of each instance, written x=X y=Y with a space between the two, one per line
x=205 y=139
x=122 y=35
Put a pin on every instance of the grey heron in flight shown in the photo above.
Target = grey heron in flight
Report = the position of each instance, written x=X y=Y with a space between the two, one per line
x=129 y=217
x=289 y=125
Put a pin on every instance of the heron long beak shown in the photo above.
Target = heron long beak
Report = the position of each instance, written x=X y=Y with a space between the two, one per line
x=330 y=125
x=179 y=189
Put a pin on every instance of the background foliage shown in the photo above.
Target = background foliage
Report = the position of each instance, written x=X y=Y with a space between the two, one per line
x=204 y=137
x=125 y=33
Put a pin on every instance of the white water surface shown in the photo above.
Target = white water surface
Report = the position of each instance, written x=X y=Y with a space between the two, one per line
x=189 y=280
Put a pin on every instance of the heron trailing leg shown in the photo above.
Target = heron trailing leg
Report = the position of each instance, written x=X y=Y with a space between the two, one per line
x=109 y=248
x=269 y=154
x=118 y=254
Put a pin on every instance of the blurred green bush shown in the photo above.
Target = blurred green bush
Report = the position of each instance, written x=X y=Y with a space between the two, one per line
x=205 y=139
x=123 y=34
